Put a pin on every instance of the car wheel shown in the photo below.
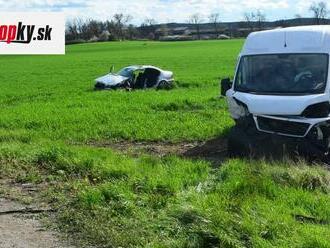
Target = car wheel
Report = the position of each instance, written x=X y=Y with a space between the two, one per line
x=164 y=85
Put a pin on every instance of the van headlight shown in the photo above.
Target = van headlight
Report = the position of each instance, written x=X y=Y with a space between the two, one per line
x=318 y=110
x=237 y=108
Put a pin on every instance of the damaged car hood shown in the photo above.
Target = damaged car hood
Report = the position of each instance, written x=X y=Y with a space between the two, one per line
x=111 y=79
x=277 y=105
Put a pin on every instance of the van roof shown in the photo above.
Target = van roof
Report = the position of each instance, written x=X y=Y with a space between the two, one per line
x=303 y=39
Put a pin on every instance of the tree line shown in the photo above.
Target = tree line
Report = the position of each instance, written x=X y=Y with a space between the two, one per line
x=119 y=27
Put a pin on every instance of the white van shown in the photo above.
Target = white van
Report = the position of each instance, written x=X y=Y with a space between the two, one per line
x=282 y=87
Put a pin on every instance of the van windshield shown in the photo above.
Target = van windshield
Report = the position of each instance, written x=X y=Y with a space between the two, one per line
x=282 y=74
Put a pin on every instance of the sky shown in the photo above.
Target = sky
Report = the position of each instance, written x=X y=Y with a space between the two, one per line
x=162 y=11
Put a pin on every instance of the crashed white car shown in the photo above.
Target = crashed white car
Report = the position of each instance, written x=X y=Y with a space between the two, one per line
x=136 y=77
x=282 y=90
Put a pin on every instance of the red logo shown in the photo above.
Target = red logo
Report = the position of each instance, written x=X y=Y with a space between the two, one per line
x=24 y=33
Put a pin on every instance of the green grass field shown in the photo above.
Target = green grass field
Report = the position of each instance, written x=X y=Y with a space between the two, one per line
x=51 y=96
x=50 y=116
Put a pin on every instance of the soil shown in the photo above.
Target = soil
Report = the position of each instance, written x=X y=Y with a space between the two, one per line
x=213 y=150
x=21 y=225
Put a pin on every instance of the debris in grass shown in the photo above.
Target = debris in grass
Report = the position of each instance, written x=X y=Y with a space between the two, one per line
x=26 y=211
x=310 y=219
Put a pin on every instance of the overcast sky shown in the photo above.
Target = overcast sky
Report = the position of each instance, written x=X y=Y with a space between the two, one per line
x=162 y=10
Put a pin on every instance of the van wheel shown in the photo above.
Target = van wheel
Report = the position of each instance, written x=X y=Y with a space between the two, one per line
x=239 y=144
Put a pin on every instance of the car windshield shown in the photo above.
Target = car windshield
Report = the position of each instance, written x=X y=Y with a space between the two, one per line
x=126 y=72
x=282 y=74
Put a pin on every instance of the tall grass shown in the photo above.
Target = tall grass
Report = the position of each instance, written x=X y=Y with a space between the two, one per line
x=114 y=200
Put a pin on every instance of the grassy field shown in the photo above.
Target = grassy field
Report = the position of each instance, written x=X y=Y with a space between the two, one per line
x=51 y=96
x=50 y=116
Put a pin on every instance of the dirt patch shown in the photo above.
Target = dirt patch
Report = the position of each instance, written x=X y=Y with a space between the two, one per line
x=154 y=148
x=214 y=150
x=24 y=230
x=21 y=215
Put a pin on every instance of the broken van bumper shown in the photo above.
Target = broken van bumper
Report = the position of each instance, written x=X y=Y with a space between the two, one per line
x=293 y=126
x=275 y=136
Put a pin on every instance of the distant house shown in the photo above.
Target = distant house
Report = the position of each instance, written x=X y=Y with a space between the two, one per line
x=180 y=31
x=173 y=31
x=223 y=37
x=176 y=33
x=176 y=38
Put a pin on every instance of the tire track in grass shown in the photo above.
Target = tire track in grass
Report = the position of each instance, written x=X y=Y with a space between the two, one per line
x=213 y=150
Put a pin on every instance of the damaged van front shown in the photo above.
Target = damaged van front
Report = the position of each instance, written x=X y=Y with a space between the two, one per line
x=281 y=87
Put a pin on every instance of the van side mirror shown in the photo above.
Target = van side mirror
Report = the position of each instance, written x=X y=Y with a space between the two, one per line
x=225 y=85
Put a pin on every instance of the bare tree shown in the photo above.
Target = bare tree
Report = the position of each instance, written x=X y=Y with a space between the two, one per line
x=319 y=10
x=112 y=29
x=260 y=18
x=253 y=19
x=95 y=28
x=196 y=20
x=75 y=29
x=92 y=30
x=71 y=30
x=148 y=28
x=149 y=22
x=89 y=29
x=249 y=18
x=120 y=20
x=214 y=18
